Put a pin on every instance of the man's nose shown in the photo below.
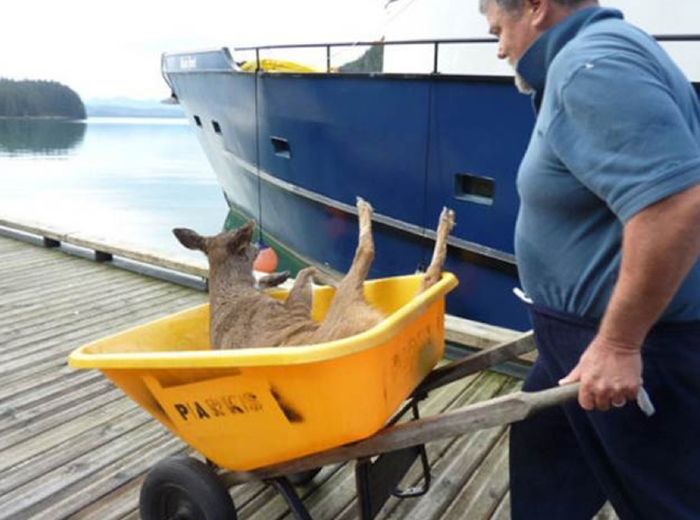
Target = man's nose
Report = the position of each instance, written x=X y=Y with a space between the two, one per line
x=501 y=53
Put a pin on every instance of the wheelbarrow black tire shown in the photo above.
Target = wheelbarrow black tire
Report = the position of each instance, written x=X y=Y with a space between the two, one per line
x=187 y=489
x=303 y=477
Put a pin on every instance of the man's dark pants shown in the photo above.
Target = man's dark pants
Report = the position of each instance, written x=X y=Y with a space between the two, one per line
x=565 y=462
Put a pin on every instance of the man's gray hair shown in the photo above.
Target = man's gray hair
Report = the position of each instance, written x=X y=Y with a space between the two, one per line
x=516 y=6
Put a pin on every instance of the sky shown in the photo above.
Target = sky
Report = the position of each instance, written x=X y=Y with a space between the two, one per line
x=112 y=49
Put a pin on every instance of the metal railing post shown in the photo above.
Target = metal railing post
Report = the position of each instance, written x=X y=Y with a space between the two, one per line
x=435 y=58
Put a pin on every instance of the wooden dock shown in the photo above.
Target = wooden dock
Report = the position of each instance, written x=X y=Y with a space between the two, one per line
x=73 y=446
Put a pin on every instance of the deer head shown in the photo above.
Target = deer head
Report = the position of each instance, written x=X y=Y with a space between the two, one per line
x=231 y=253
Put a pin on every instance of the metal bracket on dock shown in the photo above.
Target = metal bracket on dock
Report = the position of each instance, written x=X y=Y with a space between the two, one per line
x=51 y=243
x=101 y=256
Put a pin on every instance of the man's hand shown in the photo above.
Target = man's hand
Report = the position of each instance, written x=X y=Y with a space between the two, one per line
x=610 y=374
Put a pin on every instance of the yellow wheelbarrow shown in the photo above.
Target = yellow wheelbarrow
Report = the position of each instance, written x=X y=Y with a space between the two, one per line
x=273 y=413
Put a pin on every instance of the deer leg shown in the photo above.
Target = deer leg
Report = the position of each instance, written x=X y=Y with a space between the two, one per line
x=432 y=274
x=321 y=278
x=301 y=293
x=364 y=254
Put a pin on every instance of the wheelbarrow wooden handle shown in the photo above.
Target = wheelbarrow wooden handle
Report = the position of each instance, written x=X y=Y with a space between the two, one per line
x=487 y=414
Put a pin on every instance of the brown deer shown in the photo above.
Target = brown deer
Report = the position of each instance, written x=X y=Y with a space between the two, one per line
x=244 y=317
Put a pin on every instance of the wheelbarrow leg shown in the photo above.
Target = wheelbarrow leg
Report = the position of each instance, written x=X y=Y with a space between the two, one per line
x=377 y=481
x=287 y=491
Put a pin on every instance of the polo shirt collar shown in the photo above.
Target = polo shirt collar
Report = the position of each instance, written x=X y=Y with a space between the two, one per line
x=538 y=57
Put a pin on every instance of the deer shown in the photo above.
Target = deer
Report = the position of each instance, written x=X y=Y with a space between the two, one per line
x=243 y=316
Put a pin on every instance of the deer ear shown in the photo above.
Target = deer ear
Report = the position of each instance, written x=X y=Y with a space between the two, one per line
x=190 y=239
x=242 y=237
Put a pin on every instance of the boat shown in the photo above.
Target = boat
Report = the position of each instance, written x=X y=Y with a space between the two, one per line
x=293 y=142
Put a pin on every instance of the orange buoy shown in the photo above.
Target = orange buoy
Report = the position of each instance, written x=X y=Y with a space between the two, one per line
x=266 y=261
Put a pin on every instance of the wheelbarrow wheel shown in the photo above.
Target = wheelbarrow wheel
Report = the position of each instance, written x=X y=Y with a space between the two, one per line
x=184 y=488
x=303 y=477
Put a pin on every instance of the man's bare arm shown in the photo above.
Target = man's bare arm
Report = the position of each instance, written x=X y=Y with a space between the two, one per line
x=660 y=246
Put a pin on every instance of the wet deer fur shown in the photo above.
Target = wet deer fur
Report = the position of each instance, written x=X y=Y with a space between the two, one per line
x=242 y=316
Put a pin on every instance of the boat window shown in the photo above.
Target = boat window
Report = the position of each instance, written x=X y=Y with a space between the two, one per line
x=281 y=147
x=216 y=126
x=473 y=188
x=197 y=120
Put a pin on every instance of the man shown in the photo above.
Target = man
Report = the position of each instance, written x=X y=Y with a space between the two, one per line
x=607 y=242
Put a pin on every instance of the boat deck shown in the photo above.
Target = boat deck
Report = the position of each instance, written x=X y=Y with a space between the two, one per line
x=73 y=446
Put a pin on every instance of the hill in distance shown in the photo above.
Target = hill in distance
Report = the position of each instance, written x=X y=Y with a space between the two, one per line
x=39 y=99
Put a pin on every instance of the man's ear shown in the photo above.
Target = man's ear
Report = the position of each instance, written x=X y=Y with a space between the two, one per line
x=190 y=239
x=242 y=237
x=534 y=6
x=534 y=9
x=544 y=13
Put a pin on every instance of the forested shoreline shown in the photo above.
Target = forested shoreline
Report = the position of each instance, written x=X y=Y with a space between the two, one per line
x=32 y=98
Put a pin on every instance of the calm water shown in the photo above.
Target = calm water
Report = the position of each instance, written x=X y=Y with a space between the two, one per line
x=127 y=180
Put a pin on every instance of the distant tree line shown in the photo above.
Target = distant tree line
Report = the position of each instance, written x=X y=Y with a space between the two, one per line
x=39 y=99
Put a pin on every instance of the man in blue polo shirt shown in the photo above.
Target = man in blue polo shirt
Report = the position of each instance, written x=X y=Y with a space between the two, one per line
x=607 y=242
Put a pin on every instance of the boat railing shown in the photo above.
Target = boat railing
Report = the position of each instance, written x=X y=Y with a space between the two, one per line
x=330 y=47
x=363 y=62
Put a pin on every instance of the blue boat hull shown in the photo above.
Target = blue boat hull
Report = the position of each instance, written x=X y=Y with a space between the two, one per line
x=293 y=151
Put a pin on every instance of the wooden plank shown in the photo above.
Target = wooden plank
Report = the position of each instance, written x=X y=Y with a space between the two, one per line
x=24 y=265
x=55 y=389
x=16 y=431
x=51 y=385
x=120 y=502
x=65 y=312
x=48 y=329
x=606 y=513
x=129 y=251
x=29 y=496
x=24 y=413
x=39 y=462
x=74 y=298
x=27 y=306
x=64 y=275
x=96 y=288
x=46 y=317
x=480 y=497
x=95 y=284
x=9 y=245
x=481 y=335
x=101 y=417
x=502 y=512
x=73 y=335
x=74 y=487
x=63 y=278
x=477 y=362
x=477 y=334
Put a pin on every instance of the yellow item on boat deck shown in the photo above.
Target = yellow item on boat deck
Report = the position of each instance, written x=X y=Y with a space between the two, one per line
x=249 y=408
x=270 y=65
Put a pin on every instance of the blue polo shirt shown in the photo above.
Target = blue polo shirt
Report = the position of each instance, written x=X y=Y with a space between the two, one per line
x=618 y=129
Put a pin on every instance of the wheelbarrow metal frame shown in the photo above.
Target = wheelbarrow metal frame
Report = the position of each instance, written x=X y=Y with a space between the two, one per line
x=401 y=444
